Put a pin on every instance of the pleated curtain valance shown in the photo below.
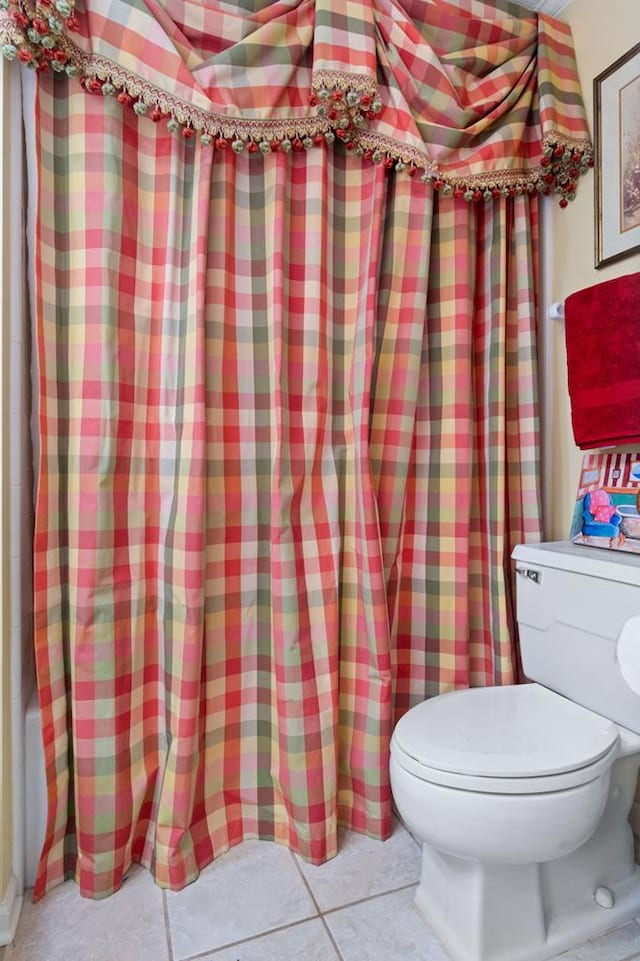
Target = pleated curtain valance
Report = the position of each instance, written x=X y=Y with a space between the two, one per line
x=480 y=99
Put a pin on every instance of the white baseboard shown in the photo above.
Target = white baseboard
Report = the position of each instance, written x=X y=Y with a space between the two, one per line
x=10 y=908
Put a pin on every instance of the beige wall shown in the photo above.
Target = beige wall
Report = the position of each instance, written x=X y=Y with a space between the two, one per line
x=601 y=34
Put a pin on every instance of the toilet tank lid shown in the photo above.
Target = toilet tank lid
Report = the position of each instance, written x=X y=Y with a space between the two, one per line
x=514 y=731
x=612 y=565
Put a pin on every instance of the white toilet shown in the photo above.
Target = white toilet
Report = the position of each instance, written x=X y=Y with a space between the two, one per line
x=520 y=795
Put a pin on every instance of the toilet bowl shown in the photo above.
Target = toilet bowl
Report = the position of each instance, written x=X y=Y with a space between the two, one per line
x=504 y=775
x=520 y=794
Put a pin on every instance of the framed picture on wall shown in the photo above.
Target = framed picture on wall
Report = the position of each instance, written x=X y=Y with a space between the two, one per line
x=616 y=99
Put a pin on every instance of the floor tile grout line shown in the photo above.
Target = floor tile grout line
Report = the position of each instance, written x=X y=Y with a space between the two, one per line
x=632 y=957
x=254 y=937
x=350 y=904
x=317 y=906
x=370 y=897
x=331 y=938
x=325 y=925
x=167 y=925
x=306 y=883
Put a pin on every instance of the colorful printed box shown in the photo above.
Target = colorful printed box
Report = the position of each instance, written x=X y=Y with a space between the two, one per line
x=607 y=511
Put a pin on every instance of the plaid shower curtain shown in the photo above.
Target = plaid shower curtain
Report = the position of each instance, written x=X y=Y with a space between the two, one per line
x=287 y=397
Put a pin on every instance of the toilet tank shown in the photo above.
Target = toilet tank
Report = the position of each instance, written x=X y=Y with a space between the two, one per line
x=572 y=602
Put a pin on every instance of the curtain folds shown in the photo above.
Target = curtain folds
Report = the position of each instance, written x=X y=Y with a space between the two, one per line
x=289 y=432
x=478 y=96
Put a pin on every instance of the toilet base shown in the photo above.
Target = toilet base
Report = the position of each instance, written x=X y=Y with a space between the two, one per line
x=511 y=912
x=496 y=912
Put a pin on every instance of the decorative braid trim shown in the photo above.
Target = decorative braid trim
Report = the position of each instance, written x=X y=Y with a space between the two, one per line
x=339 y=80
x=34 y=33
x=570 y=143
x=108 y=75
x=563 y=161
x=375 y=143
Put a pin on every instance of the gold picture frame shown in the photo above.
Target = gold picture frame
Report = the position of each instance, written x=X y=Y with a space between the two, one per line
x=616 y=104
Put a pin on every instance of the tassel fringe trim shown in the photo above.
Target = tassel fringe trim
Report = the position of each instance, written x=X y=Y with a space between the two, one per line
x=344 y=105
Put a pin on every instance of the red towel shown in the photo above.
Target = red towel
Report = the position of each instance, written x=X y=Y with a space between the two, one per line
x=602 y=327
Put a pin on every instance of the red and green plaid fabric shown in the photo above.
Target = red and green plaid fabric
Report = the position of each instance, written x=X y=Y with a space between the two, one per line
x=288 y=439
x=478 y=94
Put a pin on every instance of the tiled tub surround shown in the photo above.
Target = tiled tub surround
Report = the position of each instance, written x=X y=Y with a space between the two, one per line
x=259 y=902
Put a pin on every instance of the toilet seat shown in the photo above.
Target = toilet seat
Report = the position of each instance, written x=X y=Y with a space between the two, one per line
x=506 y=785
x=517 y=739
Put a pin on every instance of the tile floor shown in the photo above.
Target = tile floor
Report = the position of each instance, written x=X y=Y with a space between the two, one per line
x=261 y=903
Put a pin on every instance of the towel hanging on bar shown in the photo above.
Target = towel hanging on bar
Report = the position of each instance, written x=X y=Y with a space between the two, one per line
x=602 y=330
